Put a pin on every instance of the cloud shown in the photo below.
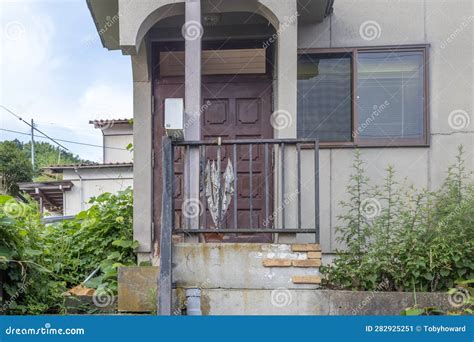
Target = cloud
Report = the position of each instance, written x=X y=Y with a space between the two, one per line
x=103 y=101
x=48 y=73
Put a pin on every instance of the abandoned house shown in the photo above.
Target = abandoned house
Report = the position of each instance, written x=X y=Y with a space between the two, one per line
x=246 y=118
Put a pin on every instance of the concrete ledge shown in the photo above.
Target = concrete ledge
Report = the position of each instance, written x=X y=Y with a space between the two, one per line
x=314 y=302
x=242 y=265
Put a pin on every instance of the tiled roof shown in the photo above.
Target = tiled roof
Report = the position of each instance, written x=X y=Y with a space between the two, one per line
x=110 y=122
x=59 y=168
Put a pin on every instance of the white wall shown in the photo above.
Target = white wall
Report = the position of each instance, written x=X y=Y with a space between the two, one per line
x=448 y=27
x=115 y=148
x=116 y=137
x=94 y=182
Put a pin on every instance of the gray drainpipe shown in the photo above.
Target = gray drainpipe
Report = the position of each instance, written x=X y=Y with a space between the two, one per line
x=193 y=302
x=81 y=192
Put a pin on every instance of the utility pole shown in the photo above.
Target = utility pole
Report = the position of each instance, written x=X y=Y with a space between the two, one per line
x=33 y=144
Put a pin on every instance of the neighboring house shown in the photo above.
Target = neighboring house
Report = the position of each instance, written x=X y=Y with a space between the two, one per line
x=80 y=182
x=269 y=77
x=117 y=136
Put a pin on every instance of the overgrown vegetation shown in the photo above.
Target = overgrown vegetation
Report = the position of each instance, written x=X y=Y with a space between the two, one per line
x=15 y=162
x=40 y=263
x=14 y=167
x=407 y=239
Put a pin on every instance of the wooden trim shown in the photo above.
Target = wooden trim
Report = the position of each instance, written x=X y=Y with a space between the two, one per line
x=423 y=141
x=216 y=62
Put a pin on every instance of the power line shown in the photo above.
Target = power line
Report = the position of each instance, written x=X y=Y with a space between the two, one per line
x=67 y=141
x=33 y=127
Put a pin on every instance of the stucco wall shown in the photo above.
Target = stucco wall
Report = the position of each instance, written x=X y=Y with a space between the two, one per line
x=118 y=154
x=94 y=182
x=448 y=27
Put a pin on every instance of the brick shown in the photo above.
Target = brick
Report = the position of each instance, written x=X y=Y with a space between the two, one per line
x=314 y=255
x=276 y=262
x=306 y=279
x=306 y=247
x=307 y=263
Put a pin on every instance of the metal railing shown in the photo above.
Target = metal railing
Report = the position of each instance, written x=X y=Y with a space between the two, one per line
x=263 y=194
x=275 y=163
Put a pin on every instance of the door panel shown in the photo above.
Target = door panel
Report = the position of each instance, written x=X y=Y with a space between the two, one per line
x=233 y=110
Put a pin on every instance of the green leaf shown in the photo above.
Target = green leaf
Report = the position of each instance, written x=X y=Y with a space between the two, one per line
x=428 y=276
x=123 y=243
x=6 y=253
x=114 y=255
x=413 y=312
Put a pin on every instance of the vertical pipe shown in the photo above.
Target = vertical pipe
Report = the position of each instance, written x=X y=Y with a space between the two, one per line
x=33 y=144
x=219 y=185
x=316 y=188
x=282 y=168
x=187 y=197
x=298 y=163
x=164 y=280
x=202 y=173
x=236 y=172
x=267 y=193
x=251 y=185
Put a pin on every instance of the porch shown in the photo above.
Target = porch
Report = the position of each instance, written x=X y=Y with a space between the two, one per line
x=249 y=190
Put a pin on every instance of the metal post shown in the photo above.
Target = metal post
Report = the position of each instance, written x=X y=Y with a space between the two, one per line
x=165 y=278
x=33 y=144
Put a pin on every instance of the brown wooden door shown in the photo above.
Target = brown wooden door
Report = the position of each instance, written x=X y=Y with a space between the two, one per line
x=232 y=108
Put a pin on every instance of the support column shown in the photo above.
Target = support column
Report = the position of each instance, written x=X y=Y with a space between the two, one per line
x=142 y=154
x=284 y=117
x=192 y=31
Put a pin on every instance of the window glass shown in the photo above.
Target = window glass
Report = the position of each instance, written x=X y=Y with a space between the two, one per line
x=390 y=94
x=324 y=97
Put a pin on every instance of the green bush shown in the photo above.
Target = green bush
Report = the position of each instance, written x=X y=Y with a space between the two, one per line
x=405 y=239
x=41 y=262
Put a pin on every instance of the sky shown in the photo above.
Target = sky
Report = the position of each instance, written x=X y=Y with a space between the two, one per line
x=53 y=69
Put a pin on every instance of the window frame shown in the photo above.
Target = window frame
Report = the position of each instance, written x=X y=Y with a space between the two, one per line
x=423 y=141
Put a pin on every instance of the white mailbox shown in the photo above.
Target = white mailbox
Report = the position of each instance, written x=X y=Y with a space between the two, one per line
x=174 y=118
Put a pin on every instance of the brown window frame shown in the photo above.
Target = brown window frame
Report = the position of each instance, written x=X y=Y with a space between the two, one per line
x=423 y=141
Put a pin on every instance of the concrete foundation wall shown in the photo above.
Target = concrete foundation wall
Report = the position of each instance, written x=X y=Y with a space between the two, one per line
x=237 y=266
x=314 y=302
